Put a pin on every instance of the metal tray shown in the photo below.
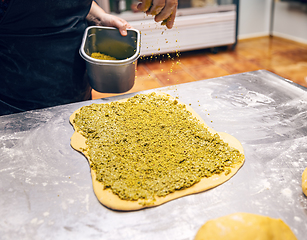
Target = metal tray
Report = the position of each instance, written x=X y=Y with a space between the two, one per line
x=46 y=190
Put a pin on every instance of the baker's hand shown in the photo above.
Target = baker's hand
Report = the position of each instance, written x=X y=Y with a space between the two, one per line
x=109 y=20
x=97 y=16
x=163 y=10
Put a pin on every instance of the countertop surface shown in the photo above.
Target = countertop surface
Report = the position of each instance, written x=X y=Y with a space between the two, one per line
x=46 y=189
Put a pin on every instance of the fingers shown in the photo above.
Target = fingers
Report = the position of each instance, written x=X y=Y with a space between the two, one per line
x=169 y=22
x=144 y=5
x=156 y=7
x=163 y=10
x=168 y=9
x=122 y=26
x=119 y=23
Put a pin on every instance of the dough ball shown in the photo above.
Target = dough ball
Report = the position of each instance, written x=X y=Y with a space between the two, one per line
x=304 y=182
x=245 y=226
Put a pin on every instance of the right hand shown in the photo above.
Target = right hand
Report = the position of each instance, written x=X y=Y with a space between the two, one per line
x=161 y=9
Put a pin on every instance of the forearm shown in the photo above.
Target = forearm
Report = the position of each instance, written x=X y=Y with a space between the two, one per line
x=94 y=15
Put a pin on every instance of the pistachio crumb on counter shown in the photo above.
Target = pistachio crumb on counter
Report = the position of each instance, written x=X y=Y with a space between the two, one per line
x=151 y=145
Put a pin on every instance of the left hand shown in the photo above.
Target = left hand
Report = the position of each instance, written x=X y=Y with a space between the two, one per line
x=97 y=16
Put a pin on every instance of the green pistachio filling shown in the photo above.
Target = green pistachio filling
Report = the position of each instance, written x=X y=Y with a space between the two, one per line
x=151 y=146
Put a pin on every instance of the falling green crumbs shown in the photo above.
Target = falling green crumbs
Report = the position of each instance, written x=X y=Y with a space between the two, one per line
x=151 y=146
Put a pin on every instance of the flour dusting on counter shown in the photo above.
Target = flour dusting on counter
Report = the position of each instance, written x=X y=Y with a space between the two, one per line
x=287 y=192
x=265 y=112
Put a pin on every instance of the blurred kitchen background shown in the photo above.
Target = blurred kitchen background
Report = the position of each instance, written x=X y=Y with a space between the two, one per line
x=214 y=38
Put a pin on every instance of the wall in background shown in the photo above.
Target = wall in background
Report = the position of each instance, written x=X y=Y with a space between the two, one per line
x=254 y=18
x=290 y=19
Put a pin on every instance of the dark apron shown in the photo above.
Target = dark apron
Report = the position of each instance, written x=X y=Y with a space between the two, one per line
x=39 y=61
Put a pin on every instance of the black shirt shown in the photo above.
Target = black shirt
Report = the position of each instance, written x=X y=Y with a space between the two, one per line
x=39 y=61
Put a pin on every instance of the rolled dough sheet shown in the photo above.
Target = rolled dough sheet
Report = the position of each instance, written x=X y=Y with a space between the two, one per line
x=110 y=200
x=245 y=226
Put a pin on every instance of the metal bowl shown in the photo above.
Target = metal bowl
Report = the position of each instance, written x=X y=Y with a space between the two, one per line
x=111 y=76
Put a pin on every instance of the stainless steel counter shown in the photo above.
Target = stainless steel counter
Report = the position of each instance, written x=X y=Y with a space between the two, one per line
x=46 y=190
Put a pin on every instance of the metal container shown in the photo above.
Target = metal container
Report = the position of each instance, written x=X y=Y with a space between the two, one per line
x=111 y=76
